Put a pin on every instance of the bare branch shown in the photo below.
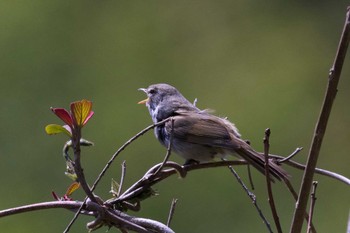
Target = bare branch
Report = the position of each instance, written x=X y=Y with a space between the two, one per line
x=89 y=209
x=75 y=216
x=122 y=178
x=295 y=196
x=333 y=79
x=172 y=211
x=290 y=156
x=152 y=225
x=250 y=177
x=312 y=205
x=125 y=221
x=268 y=181
x=252 y=197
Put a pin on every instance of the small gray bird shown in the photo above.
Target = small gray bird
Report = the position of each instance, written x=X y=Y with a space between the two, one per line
x=198 y=135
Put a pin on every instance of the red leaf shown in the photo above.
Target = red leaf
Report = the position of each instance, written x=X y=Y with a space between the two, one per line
x=64 y=115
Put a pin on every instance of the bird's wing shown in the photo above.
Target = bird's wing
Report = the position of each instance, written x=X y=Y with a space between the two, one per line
x=202 y=128
x=208 y=130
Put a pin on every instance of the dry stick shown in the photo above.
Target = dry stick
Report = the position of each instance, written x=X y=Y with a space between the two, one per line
x=109 y=164
x=252 y=197
x=312 y=205
x=268 y=181
x=295 y=196
x=250 y=177
x=290 y=156
x=122 y=178
x=333 y=79
x=171 y=212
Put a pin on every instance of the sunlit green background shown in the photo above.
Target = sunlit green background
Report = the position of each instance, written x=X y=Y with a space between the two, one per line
x=262 y=64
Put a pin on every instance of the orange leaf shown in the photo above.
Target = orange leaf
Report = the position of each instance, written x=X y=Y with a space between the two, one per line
x=81 y=111
x=72 y=188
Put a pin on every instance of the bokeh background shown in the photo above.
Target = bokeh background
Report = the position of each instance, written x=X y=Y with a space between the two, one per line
x=262 y=64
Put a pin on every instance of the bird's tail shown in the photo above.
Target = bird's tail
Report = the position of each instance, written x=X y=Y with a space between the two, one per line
x=257 y=160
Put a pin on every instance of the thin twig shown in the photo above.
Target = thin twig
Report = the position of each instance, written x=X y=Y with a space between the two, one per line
x=252 y=197
x=250 y=177
x=268 y=181
x=142 y=132
x=172 y=211
x=122 y=178
x=312 y=205
x=333 y=80
x=75 y=216
x=295 y=196
x=297 y=150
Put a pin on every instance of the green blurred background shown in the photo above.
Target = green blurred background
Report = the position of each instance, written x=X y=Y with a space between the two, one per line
x=262 y=64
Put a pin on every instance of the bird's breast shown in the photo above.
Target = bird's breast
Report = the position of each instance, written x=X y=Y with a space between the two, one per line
x=162 y=135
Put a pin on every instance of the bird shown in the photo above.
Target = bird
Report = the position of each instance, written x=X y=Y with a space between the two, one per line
x=198 y=135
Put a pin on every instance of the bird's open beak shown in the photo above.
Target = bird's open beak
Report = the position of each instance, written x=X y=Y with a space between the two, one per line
x=145 y=100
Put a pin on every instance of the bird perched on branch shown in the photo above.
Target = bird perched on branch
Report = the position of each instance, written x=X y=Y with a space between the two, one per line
x=198 y=135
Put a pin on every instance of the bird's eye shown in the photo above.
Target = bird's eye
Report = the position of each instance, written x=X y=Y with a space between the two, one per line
x=152 y=91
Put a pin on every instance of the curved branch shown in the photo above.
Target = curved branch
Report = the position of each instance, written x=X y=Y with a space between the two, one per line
x=103 y=215
x=317 y=170
x=70 y=205
x=150 y=224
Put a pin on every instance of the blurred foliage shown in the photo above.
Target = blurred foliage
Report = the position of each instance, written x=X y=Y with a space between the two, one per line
x=262 y=64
